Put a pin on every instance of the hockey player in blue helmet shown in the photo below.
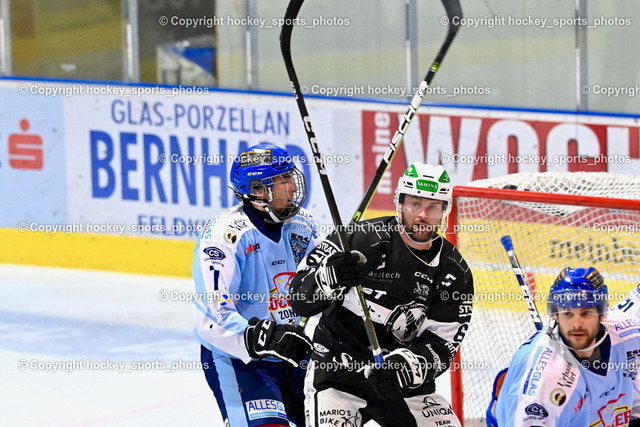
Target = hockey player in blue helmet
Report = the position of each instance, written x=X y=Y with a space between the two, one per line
x=576 y=295
x=580 y=371
x=252 y=348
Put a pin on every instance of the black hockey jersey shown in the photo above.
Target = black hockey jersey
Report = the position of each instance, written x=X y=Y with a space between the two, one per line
x=421 y=300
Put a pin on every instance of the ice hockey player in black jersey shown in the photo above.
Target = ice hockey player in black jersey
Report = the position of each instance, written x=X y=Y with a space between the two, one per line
x=419 y=291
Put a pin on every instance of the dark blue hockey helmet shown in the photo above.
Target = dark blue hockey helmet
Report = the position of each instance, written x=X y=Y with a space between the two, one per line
x=576 y=288
x=254 y=173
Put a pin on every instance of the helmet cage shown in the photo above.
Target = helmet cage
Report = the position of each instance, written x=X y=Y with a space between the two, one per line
x=261 y=192
x=255 y=172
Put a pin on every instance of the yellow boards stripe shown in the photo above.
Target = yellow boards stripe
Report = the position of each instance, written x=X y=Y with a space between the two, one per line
x=98 y=252
x=375 y=213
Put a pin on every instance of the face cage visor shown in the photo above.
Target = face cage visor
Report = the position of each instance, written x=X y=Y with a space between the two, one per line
x=262 y=192
x=568 y=299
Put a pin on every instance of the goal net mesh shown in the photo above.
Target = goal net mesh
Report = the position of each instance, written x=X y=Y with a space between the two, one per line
x=547 y=238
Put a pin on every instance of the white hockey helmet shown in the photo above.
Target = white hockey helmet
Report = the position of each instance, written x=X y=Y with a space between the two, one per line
x=428 y=181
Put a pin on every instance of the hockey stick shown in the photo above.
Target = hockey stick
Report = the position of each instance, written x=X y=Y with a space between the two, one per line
x=454 y=13
x=517 y=270
x=285 y=47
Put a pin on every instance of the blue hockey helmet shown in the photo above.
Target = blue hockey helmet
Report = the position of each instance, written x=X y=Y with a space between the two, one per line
x=254 y=173
x=579 y=287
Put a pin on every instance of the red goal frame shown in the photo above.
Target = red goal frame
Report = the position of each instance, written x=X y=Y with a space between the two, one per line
x=457 y=393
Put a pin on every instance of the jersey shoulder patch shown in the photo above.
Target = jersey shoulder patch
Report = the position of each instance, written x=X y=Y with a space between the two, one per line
x=305 y=222
x=228 y=227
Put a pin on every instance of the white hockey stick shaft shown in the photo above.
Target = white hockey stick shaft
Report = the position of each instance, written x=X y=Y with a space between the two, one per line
x=517 y=271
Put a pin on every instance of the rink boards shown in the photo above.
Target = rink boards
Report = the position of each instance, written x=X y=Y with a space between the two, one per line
x=124 y=177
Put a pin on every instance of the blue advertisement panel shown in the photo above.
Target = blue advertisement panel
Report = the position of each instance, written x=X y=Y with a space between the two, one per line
x=158 y=165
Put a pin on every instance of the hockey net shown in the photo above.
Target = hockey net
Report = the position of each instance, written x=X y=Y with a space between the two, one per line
x=556 y=220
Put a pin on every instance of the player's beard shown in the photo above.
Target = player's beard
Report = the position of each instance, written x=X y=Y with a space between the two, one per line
x=582 y=342
x=420 y=232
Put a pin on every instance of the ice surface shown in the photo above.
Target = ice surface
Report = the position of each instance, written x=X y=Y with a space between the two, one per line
x=77 y=319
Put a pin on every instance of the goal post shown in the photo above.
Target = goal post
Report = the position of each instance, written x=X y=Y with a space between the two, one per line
x=556 y=220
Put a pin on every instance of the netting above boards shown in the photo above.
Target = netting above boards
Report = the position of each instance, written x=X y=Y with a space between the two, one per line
x=549 y=234
x=596 y=184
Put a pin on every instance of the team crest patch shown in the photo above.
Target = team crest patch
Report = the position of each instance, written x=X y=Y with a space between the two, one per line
x=405 y=321
x=230 y=236
x=214 y=253
x=298 y=246
x=421 y=290
x=535 y=411
x=558 y=397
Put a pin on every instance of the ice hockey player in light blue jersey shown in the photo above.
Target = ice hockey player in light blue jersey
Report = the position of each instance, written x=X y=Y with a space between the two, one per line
x=580 y=371
x=242 y=265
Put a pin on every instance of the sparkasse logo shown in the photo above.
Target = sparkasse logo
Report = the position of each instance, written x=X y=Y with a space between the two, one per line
x=25 y=149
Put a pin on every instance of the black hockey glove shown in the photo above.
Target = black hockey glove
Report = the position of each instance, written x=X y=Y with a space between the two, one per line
x=339 y=272
x=286 y=342
x=402 y=369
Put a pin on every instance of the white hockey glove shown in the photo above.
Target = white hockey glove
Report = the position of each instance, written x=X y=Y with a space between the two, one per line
x=402 y=369
x=286 y=342
x=339 y=272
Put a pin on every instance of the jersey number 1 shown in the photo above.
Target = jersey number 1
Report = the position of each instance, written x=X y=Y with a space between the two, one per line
x=216 y=276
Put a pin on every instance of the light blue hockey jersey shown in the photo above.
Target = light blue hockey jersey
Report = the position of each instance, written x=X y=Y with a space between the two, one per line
x=546 y=385
x=240 y=273
x=629 y=307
